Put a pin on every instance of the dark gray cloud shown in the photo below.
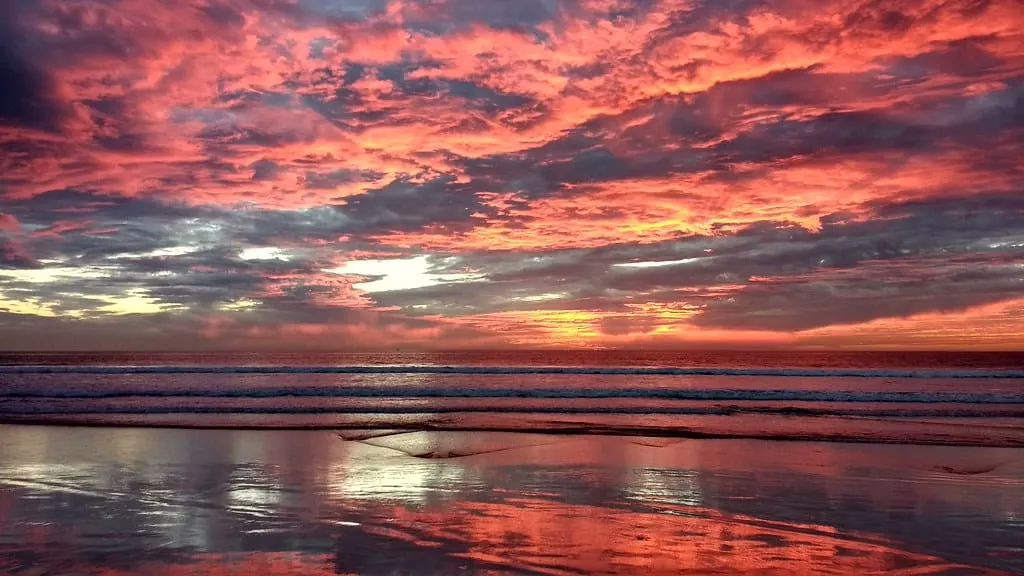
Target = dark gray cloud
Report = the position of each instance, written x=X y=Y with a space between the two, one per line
x=963 y=58
x=335 y=178
x=470 y=100
x=873 y=292
x=141 y=332
x=58 y=203
x=141 y=223
x=232 y=135
x=524 y=15
x=265 y=170
x=404 y=205
x=14 y=255
x=698 y=16
x=27 y=97
x=144 y=224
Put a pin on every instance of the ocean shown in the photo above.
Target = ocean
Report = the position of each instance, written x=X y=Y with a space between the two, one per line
x=537 y=463
x=921 y=398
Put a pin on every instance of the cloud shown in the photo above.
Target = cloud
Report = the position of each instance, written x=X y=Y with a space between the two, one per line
x=14 y=255
x=29 y=98
x=8 y=223
x=918 y=256
x=336 y=178
x=569 y=172
x=405 y=205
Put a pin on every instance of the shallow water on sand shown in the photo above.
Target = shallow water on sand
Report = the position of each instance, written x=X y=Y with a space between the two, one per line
x=173 y=502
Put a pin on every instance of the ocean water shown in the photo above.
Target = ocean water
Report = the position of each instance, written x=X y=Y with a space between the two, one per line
x=536 y=463
x=972 y=399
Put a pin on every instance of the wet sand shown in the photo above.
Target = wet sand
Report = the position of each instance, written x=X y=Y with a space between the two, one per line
x=119 y=501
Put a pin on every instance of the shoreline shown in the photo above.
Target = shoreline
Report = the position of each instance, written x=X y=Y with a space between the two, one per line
x=1013 y=435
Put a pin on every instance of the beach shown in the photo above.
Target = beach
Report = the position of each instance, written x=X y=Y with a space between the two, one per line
x=118 y=501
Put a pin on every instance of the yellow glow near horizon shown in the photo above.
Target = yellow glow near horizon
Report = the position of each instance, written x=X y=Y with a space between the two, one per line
x=55 y=273
x=135 y=301
x=37 y=305
x=240 y=305
x=28 y=306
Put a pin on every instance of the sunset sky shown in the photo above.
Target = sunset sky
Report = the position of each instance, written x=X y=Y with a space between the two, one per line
x=359 y=174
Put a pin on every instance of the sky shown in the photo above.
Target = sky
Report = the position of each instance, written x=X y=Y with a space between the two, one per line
x=452 y=174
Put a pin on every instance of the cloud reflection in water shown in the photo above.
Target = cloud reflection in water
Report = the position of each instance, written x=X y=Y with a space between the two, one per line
x=176 y=502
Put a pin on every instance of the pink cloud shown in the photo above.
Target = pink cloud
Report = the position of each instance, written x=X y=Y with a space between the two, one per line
x=9 y=223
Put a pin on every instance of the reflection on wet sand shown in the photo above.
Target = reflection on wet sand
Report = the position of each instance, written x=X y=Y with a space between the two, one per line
x=175 y=502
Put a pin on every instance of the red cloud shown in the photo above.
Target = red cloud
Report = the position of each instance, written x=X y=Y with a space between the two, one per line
x=9 y=223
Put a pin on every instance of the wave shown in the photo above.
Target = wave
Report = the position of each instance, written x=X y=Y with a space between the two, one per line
x=483 y=370
x=858 y=429
x=566 y=410
x=399 y=392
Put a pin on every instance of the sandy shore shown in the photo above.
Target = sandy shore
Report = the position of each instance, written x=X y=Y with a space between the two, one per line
x=119 y=501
